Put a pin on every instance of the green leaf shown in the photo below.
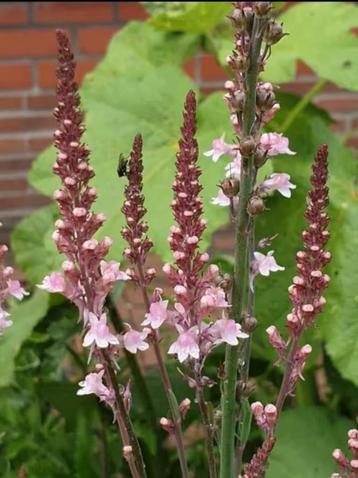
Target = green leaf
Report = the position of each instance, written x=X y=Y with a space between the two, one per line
x=25 y=315
x=320 y=35
x=306 y=438
x=35 y=255
x=117 y=108
x=194 y=17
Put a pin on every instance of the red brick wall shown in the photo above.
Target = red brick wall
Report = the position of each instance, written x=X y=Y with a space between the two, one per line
x=27 y=80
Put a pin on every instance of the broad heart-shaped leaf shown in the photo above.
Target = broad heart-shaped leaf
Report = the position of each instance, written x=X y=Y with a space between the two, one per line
x=320 y=35
x=337 y=325
x=25 y=315
x=306 y=438
x=117 y=109
x=34 y=254
x=194 y=17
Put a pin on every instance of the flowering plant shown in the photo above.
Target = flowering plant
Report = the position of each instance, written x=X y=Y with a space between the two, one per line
x=205 y=309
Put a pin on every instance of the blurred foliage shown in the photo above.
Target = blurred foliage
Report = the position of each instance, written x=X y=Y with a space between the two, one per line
x=140 y=87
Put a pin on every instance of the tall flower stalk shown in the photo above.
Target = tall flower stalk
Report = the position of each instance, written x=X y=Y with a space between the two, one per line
x=252 y=104
x=135 y=233
x=87 y=278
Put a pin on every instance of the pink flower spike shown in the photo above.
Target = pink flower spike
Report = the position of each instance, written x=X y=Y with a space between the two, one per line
x=265 y=264
x=93 y=384
x=134 y=341
x=99 y=332
x=157 y=314
x=185 y=346
x=278 y=182
x=15 y=289
x=214 y=297
x=55 y=282
x=228 y=331
x=220 y=148
x=221 y=199
x=111 y=273
x=275 y=144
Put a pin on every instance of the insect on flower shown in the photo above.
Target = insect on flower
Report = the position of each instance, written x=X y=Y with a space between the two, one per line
x=122 y=165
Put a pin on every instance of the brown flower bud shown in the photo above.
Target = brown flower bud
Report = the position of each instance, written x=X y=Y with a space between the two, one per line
x=230 y=187
x=238 y=19
x=274 y=33
x=238 y=100
x=262 y=8
x=249 y=324
x=255 y=206
x=260 y=157
x=247 y=146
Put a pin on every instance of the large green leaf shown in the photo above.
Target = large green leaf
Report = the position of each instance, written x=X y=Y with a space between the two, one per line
x=118 y=106
x=306 y=438
x=35 y=253
x=25 y=315
x=194 y=17
x=320 y=35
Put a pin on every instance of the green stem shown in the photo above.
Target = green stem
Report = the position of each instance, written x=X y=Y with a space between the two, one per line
x=301 y=105
x=227 y=446
x=134 y=367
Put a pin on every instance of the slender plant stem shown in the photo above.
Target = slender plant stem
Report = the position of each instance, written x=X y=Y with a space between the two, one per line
x=284 y=389
x=175 y=416
x=240 y=278
x=209 y=430
x=125 y=421
x=301 y=105
x=134 y=367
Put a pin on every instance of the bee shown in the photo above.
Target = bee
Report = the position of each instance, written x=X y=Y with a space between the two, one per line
x=122 y=165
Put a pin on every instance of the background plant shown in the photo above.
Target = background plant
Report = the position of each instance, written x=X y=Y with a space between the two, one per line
x=110 y=120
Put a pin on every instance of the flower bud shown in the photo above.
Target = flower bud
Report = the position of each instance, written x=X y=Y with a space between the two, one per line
x=255 y=206
x=249 y=323
x=260 y=157
x=230 y=187
x=247 y=146
x=274 y=33
x=184 y=406
x=262 y=8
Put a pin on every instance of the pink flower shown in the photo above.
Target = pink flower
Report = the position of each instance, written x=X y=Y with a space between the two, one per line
x=220 y=148
x=111 y=273
x=55 y=282
x=221 y=199
x=265 y=264
x=134 y=341
x=275 y=144
x=233 y=169
x=157 y=314
x=15 y=289
x=227 y=330
x=278 y=182
x=214 y=297
x=4 y=324
x=93 y=384
x=99 y=332
x=185 y=346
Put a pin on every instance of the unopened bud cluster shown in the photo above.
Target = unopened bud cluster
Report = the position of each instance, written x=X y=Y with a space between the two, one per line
x=348 y=468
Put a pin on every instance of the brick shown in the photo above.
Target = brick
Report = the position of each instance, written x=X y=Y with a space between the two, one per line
x=28 y=200
x=13 y=13
x=13 y=184
x=338 y=104
x=10 y=146
x=39 y=144
x=15 y=164
x=189 y=67
x=27 y=43
x=15 y=76
x=303 y=70
x=72 y=12
x=11 y=102
x=131 y=11
x=41 y=102
x=96 y=39
x=211 y=70
x=46 y=72
x=26 y=123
